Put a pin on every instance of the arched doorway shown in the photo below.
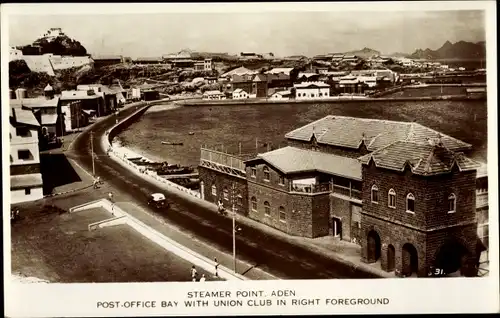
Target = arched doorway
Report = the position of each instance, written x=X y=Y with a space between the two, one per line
x=410 y=260
x=450 y=257
x=391 y=258
x=373 y=246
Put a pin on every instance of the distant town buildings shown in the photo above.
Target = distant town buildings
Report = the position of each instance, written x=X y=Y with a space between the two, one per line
x=312 y=90
x=106 y=60
x=240 y=94
x=213 y=95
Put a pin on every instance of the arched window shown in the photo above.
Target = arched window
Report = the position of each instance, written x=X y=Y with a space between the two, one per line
x=282 y=215
x=452 y=203
x=374 y=194
x=254 y=203
x=410 y=203
x=267 y=208
x=225 y=194
x=214 y=190
x=267 y=175
x=391 y=199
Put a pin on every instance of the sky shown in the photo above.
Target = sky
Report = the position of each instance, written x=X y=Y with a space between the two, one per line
x=282 y=33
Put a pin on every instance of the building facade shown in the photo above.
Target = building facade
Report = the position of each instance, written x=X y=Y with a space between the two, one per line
x=26 y=182
x=74 y=116
x=312 y=90
x=405 y=193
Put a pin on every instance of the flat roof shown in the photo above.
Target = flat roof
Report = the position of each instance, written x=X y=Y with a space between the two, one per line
x=26 y=180
x=292 y=160
x=25 y=117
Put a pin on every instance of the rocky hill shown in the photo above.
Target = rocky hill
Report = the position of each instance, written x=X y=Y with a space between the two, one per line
x=364 y=53
x=59 y=45
x=459 y=50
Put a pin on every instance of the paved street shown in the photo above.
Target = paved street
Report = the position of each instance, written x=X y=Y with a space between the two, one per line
x=267 y=252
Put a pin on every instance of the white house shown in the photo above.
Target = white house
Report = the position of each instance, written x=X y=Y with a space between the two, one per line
x=371 y=81
x=15 y=54
x=310 y=90
x=240 y=94
x=26 y=182
x=213 y=95
x=282 y=95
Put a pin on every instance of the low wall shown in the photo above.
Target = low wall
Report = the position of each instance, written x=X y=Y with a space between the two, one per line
x=108 y=222
x=263 y=102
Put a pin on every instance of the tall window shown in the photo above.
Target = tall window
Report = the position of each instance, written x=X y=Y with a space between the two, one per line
x=267 y=175
x=282 y=180
x=239 y=199
x=452 y=203
x=253 y=172
x=391 y=199
x=410 y=203
x=225 y=194
x=374 y=194
x=267 y=208
x=254 y=203
x=214 y=190
x=282 y=215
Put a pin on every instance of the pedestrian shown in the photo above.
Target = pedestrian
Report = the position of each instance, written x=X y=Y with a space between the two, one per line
x=202 y=279
x=98 y=180
x=110 y=196
x=193 y=273
x=95 y=183
x=216 y=267
x=221 y=206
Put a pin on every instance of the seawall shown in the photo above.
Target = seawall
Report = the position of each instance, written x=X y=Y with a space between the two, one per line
x=123 y=124
x=242 y=102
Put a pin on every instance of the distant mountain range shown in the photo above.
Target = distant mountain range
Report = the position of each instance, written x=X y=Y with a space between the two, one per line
x=459 y=50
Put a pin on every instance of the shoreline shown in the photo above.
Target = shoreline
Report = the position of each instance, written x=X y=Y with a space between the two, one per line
x=354 y=99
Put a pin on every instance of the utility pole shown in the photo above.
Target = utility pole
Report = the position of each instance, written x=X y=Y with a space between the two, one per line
x=92 y=152
x=234 y=230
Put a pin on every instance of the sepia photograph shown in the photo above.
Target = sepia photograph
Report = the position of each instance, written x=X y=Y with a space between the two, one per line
x=237 y=156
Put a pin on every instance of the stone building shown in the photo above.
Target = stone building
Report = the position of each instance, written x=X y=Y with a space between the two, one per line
x=419 y=211
x=404 y=192
x=223 y=177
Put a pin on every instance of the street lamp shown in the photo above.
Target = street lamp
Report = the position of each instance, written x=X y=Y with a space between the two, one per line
x=92 y=151
x=235 y=229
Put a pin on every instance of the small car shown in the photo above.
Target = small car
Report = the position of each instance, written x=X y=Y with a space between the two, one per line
x=158 y=201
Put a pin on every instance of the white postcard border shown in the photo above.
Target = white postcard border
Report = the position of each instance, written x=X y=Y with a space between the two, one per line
x=457 y=295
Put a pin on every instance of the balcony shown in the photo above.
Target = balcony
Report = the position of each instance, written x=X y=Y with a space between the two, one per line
x=346 y=192
x=222 y=158
x=310 y=188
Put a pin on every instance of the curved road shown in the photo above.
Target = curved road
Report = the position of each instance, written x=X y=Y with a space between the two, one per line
x=271 y=254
